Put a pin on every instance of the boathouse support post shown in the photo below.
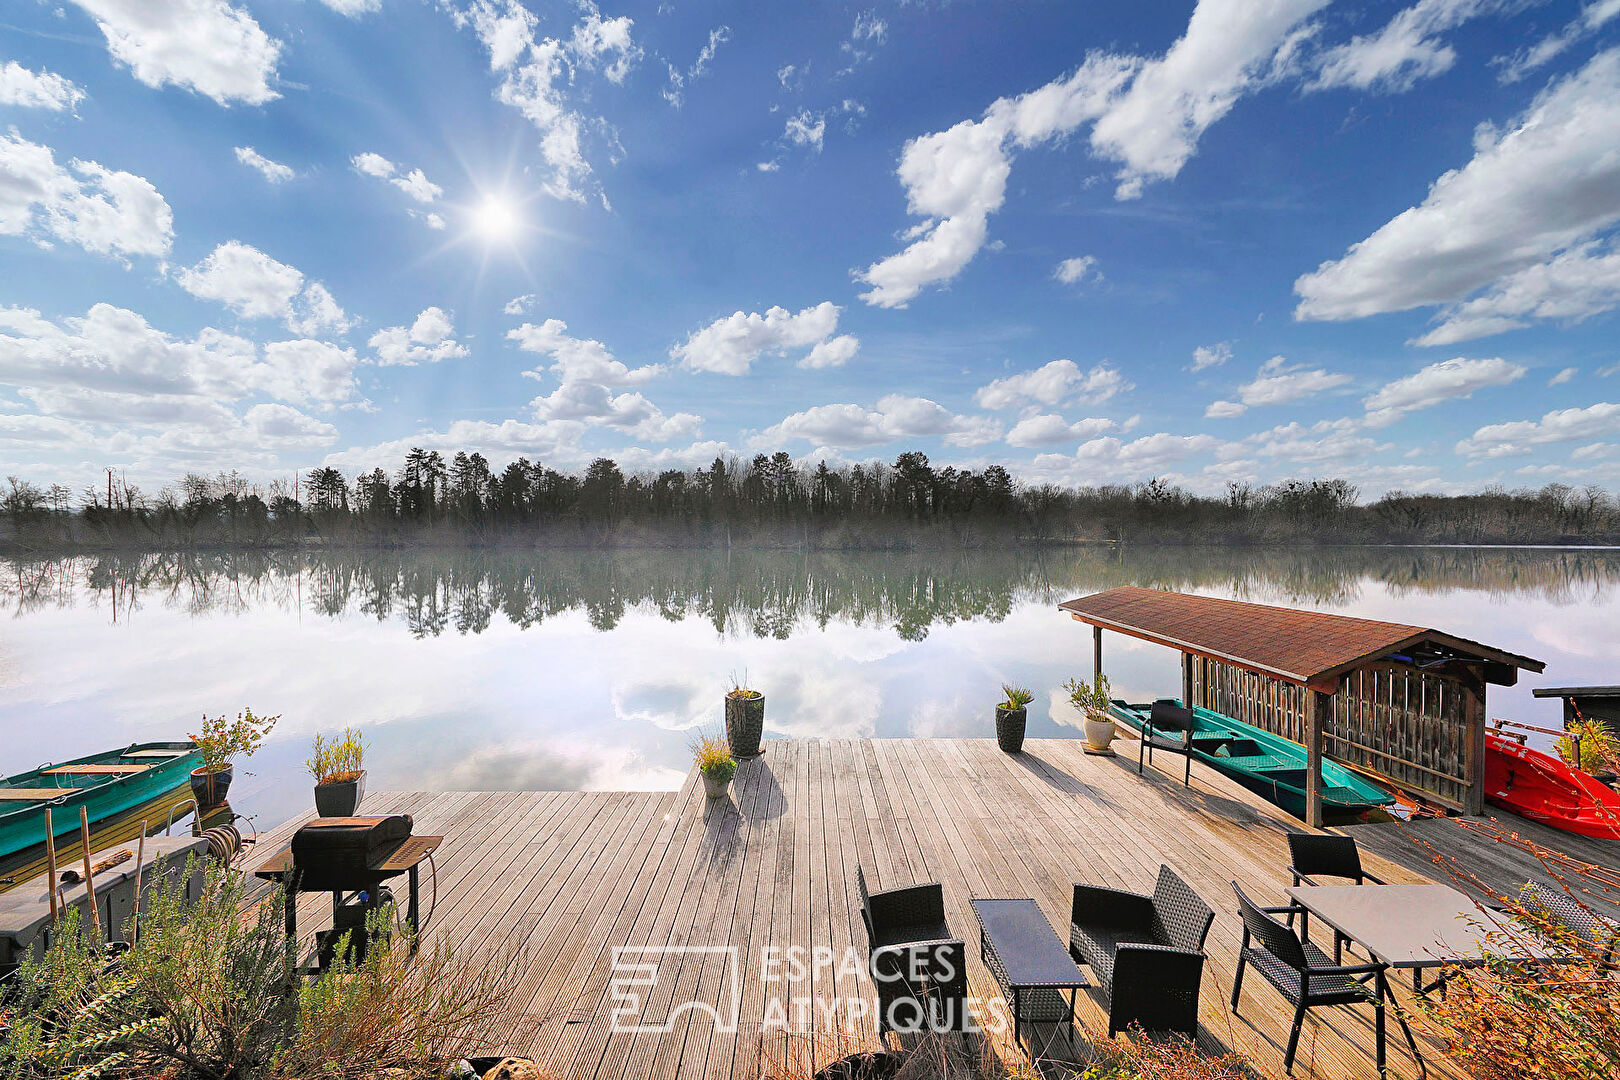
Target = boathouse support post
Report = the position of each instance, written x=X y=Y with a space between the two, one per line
x=1187 y=701
x=1317 y=705
x=1096 y=653
x=1475 y=718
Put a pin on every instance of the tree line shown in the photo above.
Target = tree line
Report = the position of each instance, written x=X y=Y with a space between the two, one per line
x=770 y=500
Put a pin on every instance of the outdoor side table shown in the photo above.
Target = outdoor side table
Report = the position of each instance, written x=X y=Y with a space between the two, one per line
x=1030 y=964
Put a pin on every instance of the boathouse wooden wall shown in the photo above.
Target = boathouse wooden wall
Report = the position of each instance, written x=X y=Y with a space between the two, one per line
x=1422 y=729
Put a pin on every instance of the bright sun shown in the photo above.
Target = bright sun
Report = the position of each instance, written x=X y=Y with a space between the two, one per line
x=496 y=219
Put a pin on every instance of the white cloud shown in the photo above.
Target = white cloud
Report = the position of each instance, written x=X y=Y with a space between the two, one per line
x=730 y=345
x=255 y=286
x=1563 y=376
x=1149 y=117
x=519 y=304
x=1278 y=383
x=354 y=8
x=37 y=89
x=1550 y=180
x=1324 y=445
x=834 y=352
x=273 y=171
x=429 y=218
x=1231 y=48
x=428 y=340
x=629 y=411
x=1223 y=410
x=283 y=427
x=869 y=31
x=1208 y=356
x=956 y=178
x=206 y=46
x=414 y=183
x=1598 y=421
x=1045 y=429
x=675 y=92
x=112 y=350
x=845 y=426
x=1437 y=383
x=101 y=210
x=1591 y=18
x=1080 y=270
x=1406 y=50
x=805 y=128
x=536 y=75
x=1053 y=384
x=578 y=359
x=1571 y=286
x=1112 y=460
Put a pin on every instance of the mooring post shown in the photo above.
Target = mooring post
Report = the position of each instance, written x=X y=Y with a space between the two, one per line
x=1096 y=653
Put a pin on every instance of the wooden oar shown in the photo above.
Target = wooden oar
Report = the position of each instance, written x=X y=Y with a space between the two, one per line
x=135 y=916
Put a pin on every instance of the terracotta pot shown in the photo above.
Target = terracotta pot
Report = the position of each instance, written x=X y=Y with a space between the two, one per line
x=209 y=788
x=1100 y=731
x=745 y=724
x=342 y=798
x=1010 y=728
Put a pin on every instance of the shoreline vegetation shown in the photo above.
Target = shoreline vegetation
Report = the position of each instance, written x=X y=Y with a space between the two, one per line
x=769 y=502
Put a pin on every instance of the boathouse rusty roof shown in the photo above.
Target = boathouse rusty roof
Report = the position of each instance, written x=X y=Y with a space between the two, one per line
x=1309 y=648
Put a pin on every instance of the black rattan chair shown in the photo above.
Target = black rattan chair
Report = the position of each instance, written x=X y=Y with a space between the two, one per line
x=1303 y=974
x=1602 y=936
x=1319 y=855
x=919 y=968
x=1168 y=717
x=1146 y=951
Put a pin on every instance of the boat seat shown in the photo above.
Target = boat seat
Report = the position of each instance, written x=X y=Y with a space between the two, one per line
x=164 y=754
x=35 y=794
x=95 y=770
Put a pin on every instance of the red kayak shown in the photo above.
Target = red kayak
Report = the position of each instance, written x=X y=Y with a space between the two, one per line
x=1546 y=789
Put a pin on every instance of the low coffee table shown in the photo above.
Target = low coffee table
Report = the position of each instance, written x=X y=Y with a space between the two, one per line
x=1031 y=965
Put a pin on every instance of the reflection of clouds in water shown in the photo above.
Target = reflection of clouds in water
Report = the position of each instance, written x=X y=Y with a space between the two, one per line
x=508 y=768
x=669 y=705
x=937 y=718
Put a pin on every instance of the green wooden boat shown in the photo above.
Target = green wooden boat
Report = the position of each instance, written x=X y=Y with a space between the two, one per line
x=104 y=784
x=1268 y=765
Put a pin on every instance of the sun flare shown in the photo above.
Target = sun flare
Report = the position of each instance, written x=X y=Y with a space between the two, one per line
x=497 y=219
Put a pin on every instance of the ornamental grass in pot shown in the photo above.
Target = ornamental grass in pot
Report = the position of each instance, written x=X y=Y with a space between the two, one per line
x=1092 y=699
x=340 y=778
x=714 y=761
x=1011 y=717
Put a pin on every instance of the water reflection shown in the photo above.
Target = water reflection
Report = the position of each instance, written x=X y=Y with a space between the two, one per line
x=767 y=595
x=589 y=669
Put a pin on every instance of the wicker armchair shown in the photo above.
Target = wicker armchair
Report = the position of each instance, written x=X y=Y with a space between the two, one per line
x=1319 y=855
x=1304 y=976
x=919 y=968
x=1169 y=728
x=1146 y=951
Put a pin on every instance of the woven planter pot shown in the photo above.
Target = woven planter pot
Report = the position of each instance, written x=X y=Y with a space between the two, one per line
x=1010 y=728
x=745 y=723
x=210 y=788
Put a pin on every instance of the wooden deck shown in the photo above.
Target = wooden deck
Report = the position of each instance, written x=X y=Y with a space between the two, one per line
x=571 y=877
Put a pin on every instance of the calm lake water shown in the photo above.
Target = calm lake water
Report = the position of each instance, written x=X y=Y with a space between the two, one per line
x=483 y=670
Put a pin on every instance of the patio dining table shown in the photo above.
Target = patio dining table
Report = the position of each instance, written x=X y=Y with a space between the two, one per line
x=1412 y=927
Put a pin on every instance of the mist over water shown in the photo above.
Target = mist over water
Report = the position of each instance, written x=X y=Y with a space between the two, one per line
x=570 y=669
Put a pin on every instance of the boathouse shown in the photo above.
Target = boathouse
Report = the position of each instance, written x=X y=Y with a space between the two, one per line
x=1404 y=702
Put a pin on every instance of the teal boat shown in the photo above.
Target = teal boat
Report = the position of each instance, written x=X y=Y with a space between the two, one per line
x=104 y=784
x=1268 y=765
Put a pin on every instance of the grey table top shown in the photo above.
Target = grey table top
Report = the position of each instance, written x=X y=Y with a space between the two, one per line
x=1408 y=925
x=1029 y=949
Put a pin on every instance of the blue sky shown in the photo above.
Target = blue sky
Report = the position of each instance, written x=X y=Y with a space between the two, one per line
x=1237 y=240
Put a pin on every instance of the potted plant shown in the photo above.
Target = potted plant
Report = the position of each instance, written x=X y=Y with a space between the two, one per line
x=714 y=761
x=221 y=741
x=745 y=719
x=1597 y=749
x=1092 y=700
x=1011 y=716
x=340 y=781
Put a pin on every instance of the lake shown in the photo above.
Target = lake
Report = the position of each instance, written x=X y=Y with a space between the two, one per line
x=494 y=670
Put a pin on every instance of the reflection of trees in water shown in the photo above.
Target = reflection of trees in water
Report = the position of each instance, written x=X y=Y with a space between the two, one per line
x=767 y=595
